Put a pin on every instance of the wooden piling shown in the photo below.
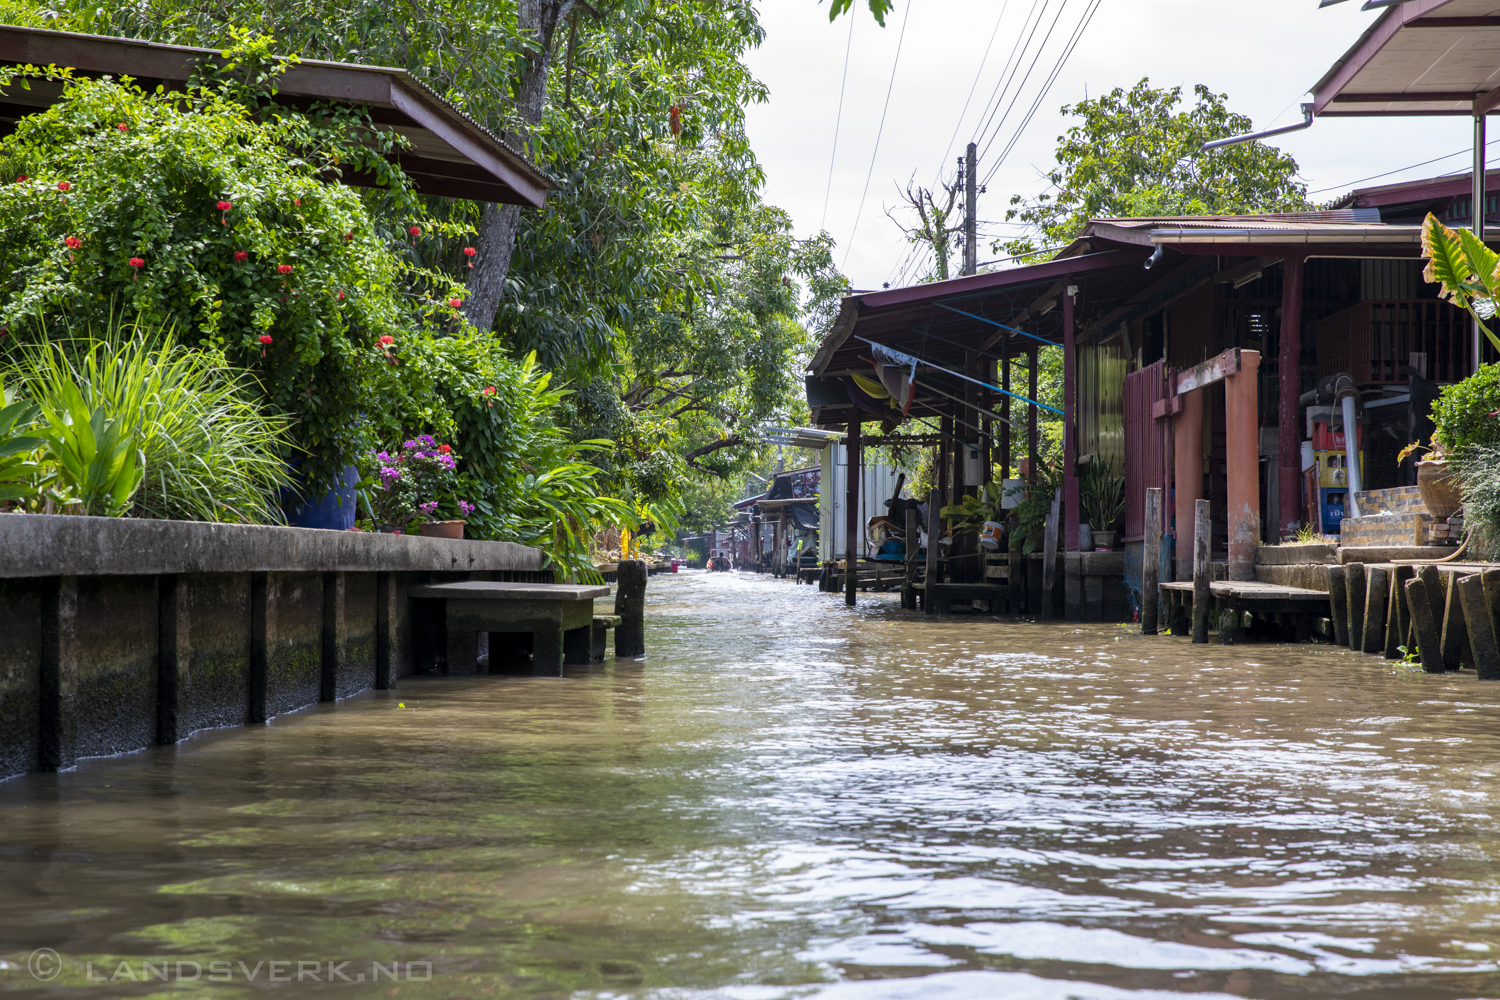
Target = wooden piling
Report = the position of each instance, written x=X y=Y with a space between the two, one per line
x=1229 y=626
x=853 y=529
x=934 y=532
x=1150 y=563
x=1377 y=586
x=1397 y=621
x=1491 y=580
x=1354 y=580
x=1424 y=626
x=1049 y=554
x=1455 y=639
x=1338 y=604
x=1477 y=620
x=1202 y=570
x=913 y=546
x=630 y=605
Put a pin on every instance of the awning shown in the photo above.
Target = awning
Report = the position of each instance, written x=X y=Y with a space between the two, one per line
x=1422 y=57
x=451 y=154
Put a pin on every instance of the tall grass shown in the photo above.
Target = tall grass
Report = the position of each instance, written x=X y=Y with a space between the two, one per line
x=210 y=453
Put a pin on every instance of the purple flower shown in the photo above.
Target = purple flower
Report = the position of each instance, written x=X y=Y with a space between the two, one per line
x=409 y=445
x=465 y=507
x=428 y=507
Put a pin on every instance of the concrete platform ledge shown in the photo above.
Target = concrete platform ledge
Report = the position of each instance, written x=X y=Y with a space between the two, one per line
x=56 y=545
x=116 y=634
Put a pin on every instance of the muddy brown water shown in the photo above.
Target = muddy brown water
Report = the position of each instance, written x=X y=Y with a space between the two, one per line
x=790 y=799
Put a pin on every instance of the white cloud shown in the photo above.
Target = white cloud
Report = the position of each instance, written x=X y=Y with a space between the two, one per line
x=1264 y=54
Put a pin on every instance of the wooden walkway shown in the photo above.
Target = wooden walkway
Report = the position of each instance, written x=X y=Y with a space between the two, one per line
x=1234 y=599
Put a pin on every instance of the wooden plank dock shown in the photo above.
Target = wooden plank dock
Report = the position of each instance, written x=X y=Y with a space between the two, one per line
x=1297 y=607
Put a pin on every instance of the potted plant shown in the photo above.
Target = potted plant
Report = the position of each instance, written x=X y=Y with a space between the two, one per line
x=415 y=488
x=1102 y=496
x=1442 y=493
x=983 y=513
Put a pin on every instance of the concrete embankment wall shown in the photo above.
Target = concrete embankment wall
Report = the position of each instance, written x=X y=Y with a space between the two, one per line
x=116 y=634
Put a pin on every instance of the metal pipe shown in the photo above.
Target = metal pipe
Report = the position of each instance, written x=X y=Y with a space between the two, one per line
x=1161 y=248
x=1476 y=215
x=1351 y=449
x=1307 y=119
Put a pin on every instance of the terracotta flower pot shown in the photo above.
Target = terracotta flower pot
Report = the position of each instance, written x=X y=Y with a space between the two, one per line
x=444 y=529
x=1104 y=541
x=1439 y=488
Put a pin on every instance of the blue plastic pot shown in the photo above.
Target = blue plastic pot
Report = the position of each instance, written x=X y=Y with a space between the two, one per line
x=335 y=510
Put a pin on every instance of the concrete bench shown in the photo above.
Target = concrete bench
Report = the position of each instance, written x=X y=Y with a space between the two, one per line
x=557 y=618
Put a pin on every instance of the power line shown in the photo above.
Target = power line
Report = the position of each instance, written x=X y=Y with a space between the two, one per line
x=1016 y=96
x=1083 y=24
x=1007 y=72
x=1398 y=170
x=1024 y=47
x=977 y=74
x=838 y=120
x=905 y=19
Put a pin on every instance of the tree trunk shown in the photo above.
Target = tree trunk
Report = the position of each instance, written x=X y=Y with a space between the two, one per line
x=499 y=223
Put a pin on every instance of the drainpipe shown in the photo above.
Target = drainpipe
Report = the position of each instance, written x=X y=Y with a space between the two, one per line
x=1348 y=397
x=1307 y=119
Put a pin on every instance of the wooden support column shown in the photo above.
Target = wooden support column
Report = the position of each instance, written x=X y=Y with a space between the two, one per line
x=1151 y=562
x=913 y=547
x=1188 y=475
x=1032 y=359
x=1377 y=587
x=1071 y=511
x=1481 y=632
x=1004 y=429
x=1202 y=570
x=852 y=526
x=1242 y=425
x=934 y=532
x=1288 y=410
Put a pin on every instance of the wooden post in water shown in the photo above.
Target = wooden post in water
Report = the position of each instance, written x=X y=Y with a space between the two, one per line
x=934 y=530
x=913 y=546
x=1397 y=619
x=1151 y=563
x=852 y=527
x=1424 y=625
x=1481 y=633
x=630 y=605
x=1338 y=604
x=1377 y=585
x=1354 y=578
x=1049 y=554
x=1455 y=633
x=1203 y=528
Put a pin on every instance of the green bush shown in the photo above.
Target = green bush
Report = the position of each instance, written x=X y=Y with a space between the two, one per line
x=215 y=217
x=1463 y=411
x=198 y=445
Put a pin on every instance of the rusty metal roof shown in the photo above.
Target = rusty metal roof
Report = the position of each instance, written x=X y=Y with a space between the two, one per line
x=450 y=154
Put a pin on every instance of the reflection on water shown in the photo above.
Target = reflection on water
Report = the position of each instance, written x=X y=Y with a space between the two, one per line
x=790 y=799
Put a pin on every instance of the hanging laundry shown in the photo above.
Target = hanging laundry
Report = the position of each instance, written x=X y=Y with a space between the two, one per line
x=898 y=373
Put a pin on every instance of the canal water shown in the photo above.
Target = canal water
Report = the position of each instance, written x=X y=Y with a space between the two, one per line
x=788 y=798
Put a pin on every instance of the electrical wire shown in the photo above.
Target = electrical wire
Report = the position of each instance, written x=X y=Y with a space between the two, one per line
x=977 y=74
x=1398 y=170
x=1062 y=61
x=891 y=86
x=837 y=121
x=1016 y=94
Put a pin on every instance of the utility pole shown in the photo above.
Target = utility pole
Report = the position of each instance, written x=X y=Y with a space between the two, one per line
x=971 y=211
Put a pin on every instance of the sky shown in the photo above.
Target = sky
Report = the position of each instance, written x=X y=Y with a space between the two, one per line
x=1265 y=54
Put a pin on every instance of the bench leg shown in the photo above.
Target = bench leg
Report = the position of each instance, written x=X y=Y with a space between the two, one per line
x=547 y=653
x=463 y=649
x=597 y=648
x=578 y=644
